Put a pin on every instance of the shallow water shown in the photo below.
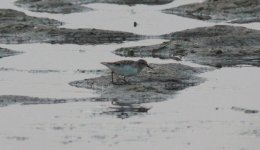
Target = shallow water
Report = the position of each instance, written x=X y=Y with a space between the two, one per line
x=199 y=117
x=201 y=113
x=44 y=70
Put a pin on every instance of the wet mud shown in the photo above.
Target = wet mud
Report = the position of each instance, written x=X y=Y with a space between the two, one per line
x=71 y=6
x=149 y=86
x=247 y=111
x=6 y=100
x=7 y=52
x=16 y=27
x=234 y=11
x=217 y=46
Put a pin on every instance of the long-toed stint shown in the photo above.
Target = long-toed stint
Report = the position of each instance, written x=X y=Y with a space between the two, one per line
x=126 y=68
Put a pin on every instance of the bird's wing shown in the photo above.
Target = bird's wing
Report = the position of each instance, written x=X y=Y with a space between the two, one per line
x=118 y=63
x=123 y=62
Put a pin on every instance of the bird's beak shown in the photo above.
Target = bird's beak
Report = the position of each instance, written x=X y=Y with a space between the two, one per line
x=149 y=66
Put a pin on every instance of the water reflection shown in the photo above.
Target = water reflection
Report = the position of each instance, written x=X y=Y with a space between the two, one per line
x=125 y=110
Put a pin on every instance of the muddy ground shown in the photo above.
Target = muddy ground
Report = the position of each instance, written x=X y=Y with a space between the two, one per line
x=214 y=46
x=10 y=17
x=6 y=100
x=158 y=84
x=17 y=27
x=7 y=52
x=234 y=11
x=70 y=6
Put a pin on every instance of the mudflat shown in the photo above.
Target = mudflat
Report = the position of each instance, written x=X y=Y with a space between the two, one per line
x=217 y=46
x=153 y=85
x=17 y=27
x=234 y=11
x=71 y=6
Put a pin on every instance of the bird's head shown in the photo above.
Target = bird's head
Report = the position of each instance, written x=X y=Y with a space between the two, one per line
x=143 y=63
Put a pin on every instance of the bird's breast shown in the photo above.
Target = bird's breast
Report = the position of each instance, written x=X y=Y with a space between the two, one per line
x=127 y=70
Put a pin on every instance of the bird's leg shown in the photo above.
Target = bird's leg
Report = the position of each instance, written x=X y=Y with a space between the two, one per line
x=124 y=79
x=112 y=75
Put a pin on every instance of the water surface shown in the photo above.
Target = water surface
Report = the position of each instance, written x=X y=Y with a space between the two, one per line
x=199 y=117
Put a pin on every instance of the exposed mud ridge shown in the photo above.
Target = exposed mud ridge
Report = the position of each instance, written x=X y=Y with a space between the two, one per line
x=149 y=86
x=215 y=46
x=70 y=6
x=9 y=17
x=234 y=11
x=7 y=52
x=247 y=111
x=116 y=108
x=16 y=27
x=119 y=109
x=6 y=100
x=52 y=6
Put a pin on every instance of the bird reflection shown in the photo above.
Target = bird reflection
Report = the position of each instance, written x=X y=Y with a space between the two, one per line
x=125 y=110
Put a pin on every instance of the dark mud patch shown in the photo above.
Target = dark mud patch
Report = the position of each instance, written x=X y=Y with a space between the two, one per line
x=6 y=100
x=52 y=6
x=71 y=6
x=234 y=11
x=217 y=46
x=9 y=16
x=96 y=72
x=149 y=86
x=3 y=69
x=247 y=111
x=251 y=132
x=17 y=138
x=7 y=52
x=68 y=139
x=23 y=33
x=14 y=30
